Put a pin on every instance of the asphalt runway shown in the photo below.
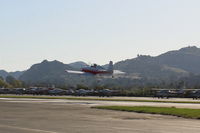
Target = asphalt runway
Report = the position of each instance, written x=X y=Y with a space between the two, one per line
x=76 y=116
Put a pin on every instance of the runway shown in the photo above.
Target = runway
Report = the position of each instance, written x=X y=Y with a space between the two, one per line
x=76 y=116
x=100 y=102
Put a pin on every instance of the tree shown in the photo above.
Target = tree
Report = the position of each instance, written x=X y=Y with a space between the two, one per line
x=80 y=86
x=13 y=82
x=1 y=78
x=3 y=84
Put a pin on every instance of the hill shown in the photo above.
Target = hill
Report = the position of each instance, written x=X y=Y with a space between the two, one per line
x=3 y=73
x=16 y=74
x=78 y=64
x=176 y=63
x=187 y=58
x=46 y=72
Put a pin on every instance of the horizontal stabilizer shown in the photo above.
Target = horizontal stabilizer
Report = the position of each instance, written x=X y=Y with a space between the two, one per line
x=118 y=72
x=74 y=72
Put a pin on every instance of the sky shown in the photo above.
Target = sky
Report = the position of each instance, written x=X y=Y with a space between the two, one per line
x=93 y=31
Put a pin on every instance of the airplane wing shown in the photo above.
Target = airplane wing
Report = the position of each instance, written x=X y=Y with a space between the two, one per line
x=74 y=72
x=118 y=72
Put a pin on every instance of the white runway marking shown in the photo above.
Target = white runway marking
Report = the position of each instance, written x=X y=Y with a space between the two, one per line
x=27 y=129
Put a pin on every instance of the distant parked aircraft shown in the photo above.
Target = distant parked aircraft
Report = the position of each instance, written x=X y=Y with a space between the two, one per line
x=97 y=70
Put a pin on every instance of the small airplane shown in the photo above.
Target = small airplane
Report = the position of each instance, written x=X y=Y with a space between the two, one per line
x=97 y=70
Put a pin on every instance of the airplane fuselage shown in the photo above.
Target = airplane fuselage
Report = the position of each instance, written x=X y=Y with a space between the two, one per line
x=95 y=71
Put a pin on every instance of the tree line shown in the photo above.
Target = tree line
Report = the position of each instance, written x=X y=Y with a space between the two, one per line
x=10 y=82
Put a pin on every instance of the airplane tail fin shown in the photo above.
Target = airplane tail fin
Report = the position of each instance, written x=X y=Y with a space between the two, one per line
x=110 y=67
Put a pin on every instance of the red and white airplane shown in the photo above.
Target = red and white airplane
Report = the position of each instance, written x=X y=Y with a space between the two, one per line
x=97 y=70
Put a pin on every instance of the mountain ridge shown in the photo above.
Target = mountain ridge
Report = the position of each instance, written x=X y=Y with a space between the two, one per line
x=169 y=65
x=15 y=74
x=184 y=60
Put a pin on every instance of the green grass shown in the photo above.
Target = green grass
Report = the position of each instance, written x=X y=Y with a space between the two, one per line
x=94 y=98
x=180 y=112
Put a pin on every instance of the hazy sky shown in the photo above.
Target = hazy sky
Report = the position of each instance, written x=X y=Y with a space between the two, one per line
x=93 y=30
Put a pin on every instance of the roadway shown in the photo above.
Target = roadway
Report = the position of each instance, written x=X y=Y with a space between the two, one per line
x=76 y=116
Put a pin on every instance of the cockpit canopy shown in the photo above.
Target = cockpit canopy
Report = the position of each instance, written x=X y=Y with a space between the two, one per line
x=97 y=67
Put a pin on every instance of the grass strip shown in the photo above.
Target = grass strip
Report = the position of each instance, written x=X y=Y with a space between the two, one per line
x=96 y=99
x=180 y=112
